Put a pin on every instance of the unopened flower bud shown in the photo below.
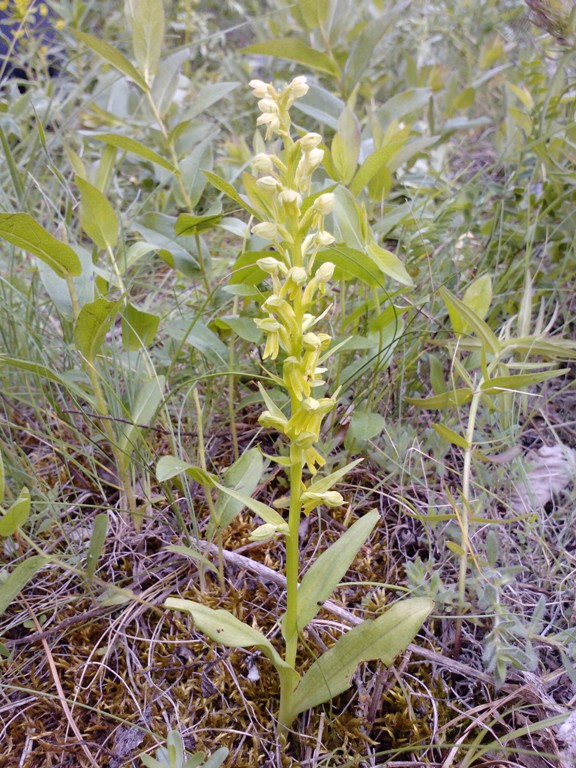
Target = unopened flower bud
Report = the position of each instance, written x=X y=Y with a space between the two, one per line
x=324 y=204
x=266 y=230
x=268 y=105
x=314 y=158
x=268 y=183
x=324 y=238
x=325 y=271
x=310 y=141
x=269 y=531
x=271 y=265
x=290 y=197
x=261 y=89
x=262 y=163
x=298 y=87
x=311 y=341
x=271 y=122
x=267 y=419
x=331 y=499
x=297 y=275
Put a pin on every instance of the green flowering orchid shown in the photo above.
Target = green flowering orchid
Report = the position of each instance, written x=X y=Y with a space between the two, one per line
x=297 y=224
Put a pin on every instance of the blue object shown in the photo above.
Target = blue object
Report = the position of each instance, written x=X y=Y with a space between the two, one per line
x=28 y=39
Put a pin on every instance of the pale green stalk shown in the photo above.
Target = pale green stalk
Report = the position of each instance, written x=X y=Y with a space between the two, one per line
x=465 y=512
x=209 y=499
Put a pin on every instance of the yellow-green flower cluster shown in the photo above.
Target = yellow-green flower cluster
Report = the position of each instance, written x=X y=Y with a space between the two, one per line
x=294 y=221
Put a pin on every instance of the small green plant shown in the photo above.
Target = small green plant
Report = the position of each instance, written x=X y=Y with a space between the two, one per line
x=173 y=755
x=293 y=218
x=489 y=371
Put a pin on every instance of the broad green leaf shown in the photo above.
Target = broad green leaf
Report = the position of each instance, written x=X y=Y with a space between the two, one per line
x=245 y=270
x=383 y=639
x=93 y=323
x=462 y=318
x=98 y=218
x=294 y=49
x=377 y=162
x=138 y=328
x=201 y=338
x=324 y=575
x=135 y=147
x=478 y=296
x=222 y=627
x=364 y=425
x=402 y=104
x=363 y=45
x=147 y=402
x=23 y=231
x=224 y=186
x=175 y=749
x=322 y=105
x=112 y=56
x=208 y=96
x=97 y=541
x=244 y=327
x=18 y=579
x=350 y=263
x=59 y=290
x=17 y=515
x=450 y=399
x=388 y=263
x=215 y=760
x=166 y=80
x=170 y=466
x=436 y=374
x=345 y=147
x=158 y=230
x=243 y=476
x=347 y=219
x=314 y=12
x=451 y=436
x=147 y=21
x=410 y=150
x=151 y=762
x=519 y=382
x=188 y=225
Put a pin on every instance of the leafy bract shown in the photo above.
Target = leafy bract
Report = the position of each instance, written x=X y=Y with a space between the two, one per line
x=324 y=575
x=97 y=216
x=23 y=231
x=294 y=49
x=147 y=19
x=112 y=56
x=135 y=147
x=93 y=323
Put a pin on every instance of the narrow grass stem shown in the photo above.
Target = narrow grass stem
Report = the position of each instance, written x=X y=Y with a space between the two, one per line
x=465 y=513
x=232 y=388
x=209 y=499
